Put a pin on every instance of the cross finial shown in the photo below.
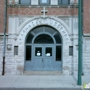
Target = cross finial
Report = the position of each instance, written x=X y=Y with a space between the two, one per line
x=44 y=11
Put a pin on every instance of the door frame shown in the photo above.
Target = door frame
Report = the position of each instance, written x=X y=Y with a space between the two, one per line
x=54 y=44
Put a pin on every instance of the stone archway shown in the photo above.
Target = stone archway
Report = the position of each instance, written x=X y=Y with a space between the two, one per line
x=43 y=49
x=54 y=22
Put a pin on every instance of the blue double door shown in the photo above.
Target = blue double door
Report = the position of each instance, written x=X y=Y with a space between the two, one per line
x=43 y=57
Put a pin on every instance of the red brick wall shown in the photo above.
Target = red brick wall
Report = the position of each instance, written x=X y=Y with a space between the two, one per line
x=1 y=16
x=59 y=11
x=86 y=16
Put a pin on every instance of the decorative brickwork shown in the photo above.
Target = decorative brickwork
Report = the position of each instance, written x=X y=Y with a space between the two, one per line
x=37 y=11
x=1 y=16
x=86 y=16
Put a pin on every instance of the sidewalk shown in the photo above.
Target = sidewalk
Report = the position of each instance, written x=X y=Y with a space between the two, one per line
x=41 y=81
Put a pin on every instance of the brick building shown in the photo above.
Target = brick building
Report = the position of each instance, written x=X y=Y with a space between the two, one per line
x=42 y=35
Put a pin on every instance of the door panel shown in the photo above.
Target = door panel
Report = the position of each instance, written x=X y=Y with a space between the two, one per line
x=58 y=65
x=48 y=64
x=38 y=64
x=43 y=58
x=38 y=58
x=48 y=58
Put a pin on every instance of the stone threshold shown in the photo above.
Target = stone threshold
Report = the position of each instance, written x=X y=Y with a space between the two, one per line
x=43 y=73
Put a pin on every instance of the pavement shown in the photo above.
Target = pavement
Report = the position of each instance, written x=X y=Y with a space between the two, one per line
x=42 y=82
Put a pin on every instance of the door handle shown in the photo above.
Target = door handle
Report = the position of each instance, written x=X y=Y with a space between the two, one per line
x=42 y=59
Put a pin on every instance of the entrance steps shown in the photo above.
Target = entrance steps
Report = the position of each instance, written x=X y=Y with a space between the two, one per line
x=43 y=73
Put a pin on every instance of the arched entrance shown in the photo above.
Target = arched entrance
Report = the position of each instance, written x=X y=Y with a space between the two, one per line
x=43 y=49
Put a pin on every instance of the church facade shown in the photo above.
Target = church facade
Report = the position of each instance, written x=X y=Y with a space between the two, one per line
x=42 y=35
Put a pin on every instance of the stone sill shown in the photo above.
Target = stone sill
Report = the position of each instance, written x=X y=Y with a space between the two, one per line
x=2 y=34
x=86 y=35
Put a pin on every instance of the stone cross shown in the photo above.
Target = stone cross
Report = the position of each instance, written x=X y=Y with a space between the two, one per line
x=44 y=11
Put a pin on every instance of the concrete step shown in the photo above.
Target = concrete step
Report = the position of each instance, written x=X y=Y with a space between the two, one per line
x=43 y=89
x=43 y=73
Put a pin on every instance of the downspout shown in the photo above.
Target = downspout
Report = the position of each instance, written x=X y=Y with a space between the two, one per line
x=72 y=17
x=72 y=12
x=4 y=44
x=72 y=42
x=82 y=40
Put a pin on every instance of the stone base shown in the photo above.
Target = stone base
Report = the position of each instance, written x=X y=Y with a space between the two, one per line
x=43 y=89
x=43 y=73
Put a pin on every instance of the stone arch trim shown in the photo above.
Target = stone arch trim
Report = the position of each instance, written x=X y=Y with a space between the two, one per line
x=54 y=22
x=44 y=19
x=37 y=21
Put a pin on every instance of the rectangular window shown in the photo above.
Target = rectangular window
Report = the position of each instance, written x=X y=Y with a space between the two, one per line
x=60 y=1
x=48 y=52
x=44 y=2
x=28 y=53
x=25 y=2
x=58 y=53
x=70 y=50
x=15 y=50
x=64 y=2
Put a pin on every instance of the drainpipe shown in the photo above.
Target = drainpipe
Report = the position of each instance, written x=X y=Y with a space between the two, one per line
x=82 y=39
x=79 y=82
x=4 y=46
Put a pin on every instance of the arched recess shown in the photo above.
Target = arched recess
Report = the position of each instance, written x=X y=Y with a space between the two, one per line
x=53 y=22
x=43 y=49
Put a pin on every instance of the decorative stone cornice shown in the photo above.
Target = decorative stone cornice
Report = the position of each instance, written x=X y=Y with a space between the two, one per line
x=54 y=22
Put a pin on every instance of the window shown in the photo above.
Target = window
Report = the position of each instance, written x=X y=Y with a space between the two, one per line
x=38 y=51
x=15 y=50
x=44 y=39
x=57 y=38
x=70 y=50
x=58 y=53
x=44 y=2
x=28 y=53
x=25 y=2
x=29 y=38
x=48 y=51
x=64 y=2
